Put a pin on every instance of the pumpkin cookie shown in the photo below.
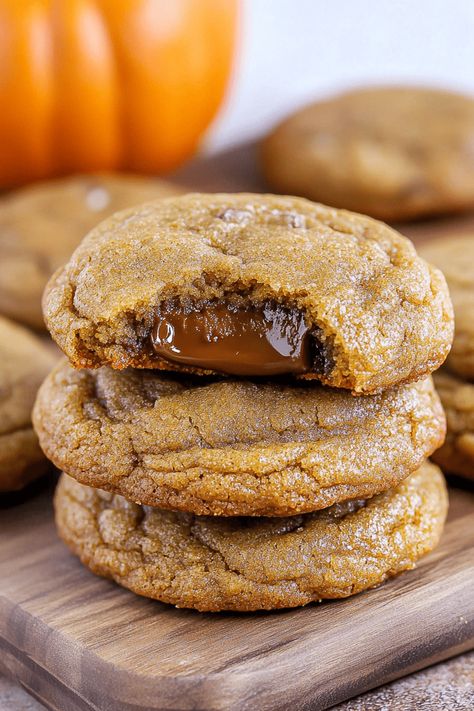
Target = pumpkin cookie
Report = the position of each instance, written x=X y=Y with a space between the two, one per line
x=41 y=225
x=232 y=447
x=391 y=152
x=24 y=362
x=253 y=564
x=455 y=256
x=252 y=285
x=457 y=453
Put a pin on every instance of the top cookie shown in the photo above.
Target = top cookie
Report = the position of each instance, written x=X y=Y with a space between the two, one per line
x=252 y=285
x=455 y=256
x=394 y=153
x=41 y=225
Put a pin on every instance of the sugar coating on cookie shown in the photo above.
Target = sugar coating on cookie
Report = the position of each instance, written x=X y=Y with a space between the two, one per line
x=454 y=255
x=232 y=447
x=394 y=153
x=457 y=396
x=24 y=362
x=211 y=563
x=339 y=297
x=42 y=224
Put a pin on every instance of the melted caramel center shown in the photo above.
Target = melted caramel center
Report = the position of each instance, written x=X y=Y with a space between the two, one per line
x=250 y=341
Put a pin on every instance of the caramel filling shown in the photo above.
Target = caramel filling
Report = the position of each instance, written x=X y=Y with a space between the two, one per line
x=250 y=341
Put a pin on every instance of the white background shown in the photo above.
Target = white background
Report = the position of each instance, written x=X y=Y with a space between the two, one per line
x=294 y=50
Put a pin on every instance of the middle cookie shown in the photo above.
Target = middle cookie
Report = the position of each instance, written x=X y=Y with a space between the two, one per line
x=232 y=447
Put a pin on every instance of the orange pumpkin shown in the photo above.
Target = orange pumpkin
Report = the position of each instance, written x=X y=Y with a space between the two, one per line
x=107 y=84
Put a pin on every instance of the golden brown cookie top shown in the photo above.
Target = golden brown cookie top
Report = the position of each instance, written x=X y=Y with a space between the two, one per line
x=454 y=255
x=377 y=314
x=251 y=564
x=232 y=447
x=391 y=152
x=41 y=225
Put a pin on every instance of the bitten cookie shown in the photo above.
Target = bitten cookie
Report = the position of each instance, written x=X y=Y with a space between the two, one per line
x=24 y=362
x=232 y=447
x=457 y=454
x=41 y=225
x=455 y=256
x=252 y=285
x=253 y=564
x=394 y=153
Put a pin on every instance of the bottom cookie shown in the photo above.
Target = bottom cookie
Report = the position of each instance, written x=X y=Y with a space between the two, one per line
x=457 y=395
x=253 y=563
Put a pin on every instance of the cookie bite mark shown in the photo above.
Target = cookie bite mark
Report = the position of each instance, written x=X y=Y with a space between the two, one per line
x=245 y=340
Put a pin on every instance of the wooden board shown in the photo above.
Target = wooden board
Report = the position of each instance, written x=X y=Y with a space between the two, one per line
x=78 y=642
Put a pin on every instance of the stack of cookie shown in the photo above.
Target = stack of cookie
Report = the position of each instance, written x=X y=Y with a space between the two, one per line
x=250 y=401
x=455 y=381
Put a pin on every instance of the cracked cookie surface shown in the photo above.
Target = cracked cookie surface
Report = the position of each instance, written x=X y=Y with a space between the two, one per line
x=395 y=153
x=382 y=315
x=454 y=255
x=24 y=362
x=457 y=396
x=232 y=447
x=252 y=564
x=41 y=225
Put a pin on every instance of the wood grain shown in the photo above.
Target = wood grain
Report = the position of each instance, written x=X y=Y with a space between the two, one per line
x=78 y=642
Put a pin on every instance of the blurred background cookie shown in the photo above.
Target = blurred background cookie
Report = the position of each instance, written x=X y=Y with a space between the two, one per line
x=455 y=381
x=455 y=257
x=24 y=362
x=457 y=454
x=41 y=225
x=391 y=152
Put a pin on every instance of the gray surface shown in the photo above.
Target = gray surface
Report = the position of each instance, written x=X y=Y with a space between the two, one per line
x=444 y=687
x=14 y=698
